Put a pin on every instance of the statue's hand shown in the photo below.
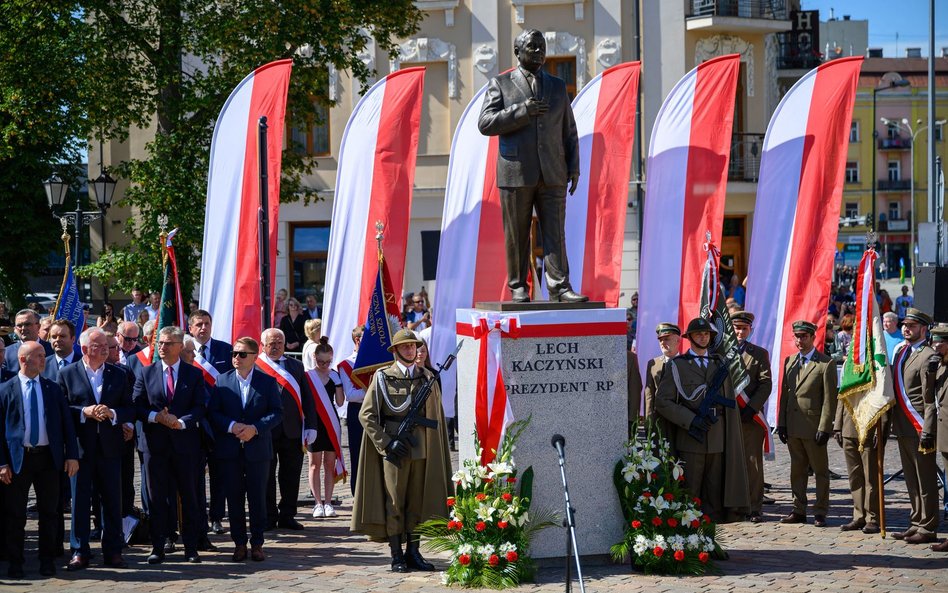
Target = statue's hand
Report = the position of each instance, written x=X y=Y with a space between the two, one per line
x=573 y=181
x=536 y=107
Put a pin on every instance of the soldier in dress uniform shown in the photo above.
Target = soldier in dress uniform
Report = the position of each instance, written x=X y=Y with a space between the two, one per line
x=863 y=470
x=714 y=465
x=805 y=421
x=913 y=424
x=669 y=340
x=940 y=362
x=757 y=362
x=391 y=500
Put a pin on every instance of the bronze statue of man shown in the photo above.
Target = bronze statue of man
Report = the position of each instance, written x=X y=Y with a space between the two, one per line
x=538 y=154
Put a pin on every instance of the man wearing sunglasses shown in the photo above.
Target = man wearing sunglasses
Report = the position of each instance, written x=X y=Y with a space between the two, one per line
x=128 y=339
x=170 y=402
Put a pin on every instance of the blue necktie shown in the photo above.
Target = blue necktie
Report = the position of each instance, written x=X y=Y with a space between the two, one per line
x=62 y=362
x=34 y=413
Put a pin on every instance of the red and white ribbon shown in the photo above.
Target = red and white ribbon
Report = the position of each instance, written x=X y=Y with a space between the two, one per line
x=144 y=356
x=864 y=308
x=492 y=412
x=710 y=280
x=327 y=413
x=760 y=420
x=283 y=377
x=900 y=394
x=207 y=369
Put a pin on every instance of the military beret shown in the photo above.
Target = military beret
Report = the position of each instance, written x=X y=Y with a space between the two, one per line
x=745 y=316
x=699 y=324
x=918 y=316
x=804 y=326
x=940 y=333
x=667 y=328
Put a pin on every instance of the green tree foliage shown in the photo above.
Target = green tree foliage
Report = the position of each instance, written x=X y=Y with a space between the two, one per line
x=169 y=65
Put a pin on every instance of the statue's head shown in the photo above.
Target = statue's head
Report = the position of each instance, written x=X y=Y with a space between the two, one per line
x=530 y=49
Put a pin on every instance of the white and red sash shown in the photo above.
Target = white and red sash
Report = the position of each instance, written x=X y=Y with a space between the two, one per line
x=144 y=356
x=760 y=420
x=492 y=412
x=207 y=369
x=283 y=377
x=901 y=395
x=327 y=413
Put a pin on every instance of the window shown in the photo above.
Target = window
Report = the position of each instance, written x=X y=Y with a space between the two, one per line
x=895 y=210
x=892 y=130
x=565 y=68
x=854 y=131
x=852 y=209
x=939 y=132
x=895 y=170
x=312 y=139
x=852 y=172
x=309 y=247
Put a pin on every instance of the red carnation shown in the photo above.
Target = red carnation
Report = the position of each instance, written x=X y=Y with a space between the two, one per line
x=703 y=556
x=680 y=555
x=480 y=496
x=481 y=526
x=657 y=521
x=669 y=496
x=502 y=524
x=450 y=501
x=464 y=559
x=636 y=523
x=507 y=496
x=658 y=551
x=681 y=477
x=488 y=480
x=695 y=523
x=672 y=522
x=511 y=480
x=458 y=525
x=706 y=519
x=654 y=475
x=512 y=556
x=494 y=560
x=697 y=501
x=451 y=524
x=647 y=494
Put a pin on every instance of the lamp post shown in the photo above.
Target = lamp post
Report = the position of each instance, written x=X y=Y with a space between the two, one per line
x=103 y=187
x=875 y=141
x=56 y=190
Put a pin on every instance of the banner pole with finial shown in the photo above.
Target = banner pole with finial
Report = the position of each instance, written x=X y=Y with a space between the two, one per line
x=65 y=237
x=880 y=444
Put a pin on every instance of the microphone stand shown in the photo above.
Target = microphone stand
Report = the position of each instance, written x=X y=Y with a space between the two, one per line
x=570 y=521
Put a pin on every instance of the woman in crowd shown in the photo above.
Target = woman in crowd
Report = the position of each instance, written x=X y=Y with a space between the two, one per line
x=107 y=321
x=292 y=325
x=313 y=330
x=279 y=307
x=322 y=454
x=845 y=335
x=885 y=302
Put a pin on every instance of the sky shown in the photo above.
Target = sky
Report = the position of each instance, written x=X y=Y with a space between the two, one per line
x=893 y=24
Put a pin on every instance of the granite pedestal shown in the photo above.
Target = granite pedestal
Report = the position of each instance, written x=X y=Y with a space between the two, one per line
x=566 y=369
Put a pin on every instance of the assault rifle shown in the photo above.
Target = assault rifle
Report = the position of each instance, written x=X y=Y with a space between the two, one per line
x=414 y=417
x=712 y=397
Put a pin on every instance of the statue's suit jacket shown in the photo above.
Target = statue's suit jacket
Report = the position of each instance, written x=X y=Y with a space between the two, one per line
x=529 y=145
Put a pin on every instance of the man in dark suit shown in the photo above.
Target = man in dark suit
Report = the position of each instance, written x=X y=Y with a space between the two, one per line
x=5 y=373
x=27 y=325
x=538 y=154
x=290 y=434
x=128 y=434
x=913 y=424
x=127 y=335
x=216 y=352
x=244 y=408
x=170 y=400
x=805 y=421
x=62 y=337
x=37 y=442
x=100 y=398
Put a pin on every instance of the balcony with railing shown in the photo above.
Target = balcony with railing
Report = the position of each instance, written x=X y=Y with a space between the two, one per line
x=895 y=143
x=753 y=16
x=744 y=164
x=894 y=184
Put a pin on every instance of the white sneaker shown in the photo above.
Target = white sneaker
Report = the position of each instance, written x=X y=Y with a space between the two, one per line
x=328 y=511
x=318 y=511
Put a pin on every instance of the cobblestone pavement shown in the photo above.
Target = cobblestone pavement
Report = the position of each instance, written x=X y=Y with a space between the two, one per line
x=326 y=557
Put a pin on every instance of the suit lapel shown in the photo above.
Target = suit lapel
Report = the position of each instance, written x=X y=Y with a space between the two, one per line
x=521 y=82
x=807 y=370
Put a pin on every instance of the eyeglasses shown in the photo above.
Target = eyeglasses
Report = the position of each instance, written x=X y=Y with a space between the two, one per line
x=241 y=354
x=318 y=361
x=160 y=344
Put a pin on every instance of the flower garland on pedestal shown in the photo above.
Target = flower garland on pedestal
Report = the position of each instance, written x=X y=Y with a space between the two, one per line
x=665 y=530
x=489 y=528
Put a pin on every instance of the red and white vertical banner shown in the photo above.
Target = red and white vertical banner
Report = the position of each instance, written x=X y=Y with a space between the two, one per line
x=595 y=215
x=230 y=258
x=796 y=219
x=684 y=196
x=374 y=181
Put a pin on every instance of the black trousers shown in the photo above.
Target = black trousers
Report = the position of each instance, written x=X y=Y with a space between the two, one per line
x=165 y=473
x=218 y=492
x=288 y=453
x=105 y=473
x=128 y=478
x=354 y=432
x=245 y=481
x=40 y=472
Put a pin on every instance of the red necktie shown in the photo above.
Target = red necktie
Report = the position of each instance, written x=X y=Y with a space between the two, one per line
x=169 y=388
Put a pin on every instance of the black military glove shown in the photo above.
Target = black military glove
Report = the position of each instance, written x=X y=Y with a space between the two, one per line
x=782 y=434
x=838 y=436
x=747 y=414
x=822 y=438
x=927 y=441
x=933 y=361
x=699 y=424
x=398 y=448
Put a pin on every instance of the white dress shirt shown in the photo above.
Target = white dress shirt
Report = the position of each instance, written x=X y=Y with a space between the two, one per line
x=96 y=379
x=244 y=385
x=27 y=404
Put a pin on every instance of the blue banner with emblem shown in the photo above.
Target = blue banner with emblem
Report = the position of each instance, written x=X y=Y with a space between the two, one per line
x=68 y=304
x=373 y=349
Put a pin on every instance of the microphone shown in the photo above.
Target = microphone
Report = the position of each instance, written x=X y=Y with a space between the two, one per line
x=558 y=443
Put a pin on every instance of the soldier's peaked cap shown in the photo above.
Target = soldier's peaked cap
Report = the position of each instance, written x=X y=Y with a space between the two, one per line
x=918 y=316
x=667 y=328
x=804 y=326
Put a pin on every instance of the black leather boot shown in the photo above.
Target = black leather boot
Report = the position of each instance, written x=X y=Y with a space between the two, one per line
x=414 y=557
x=398 y=559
